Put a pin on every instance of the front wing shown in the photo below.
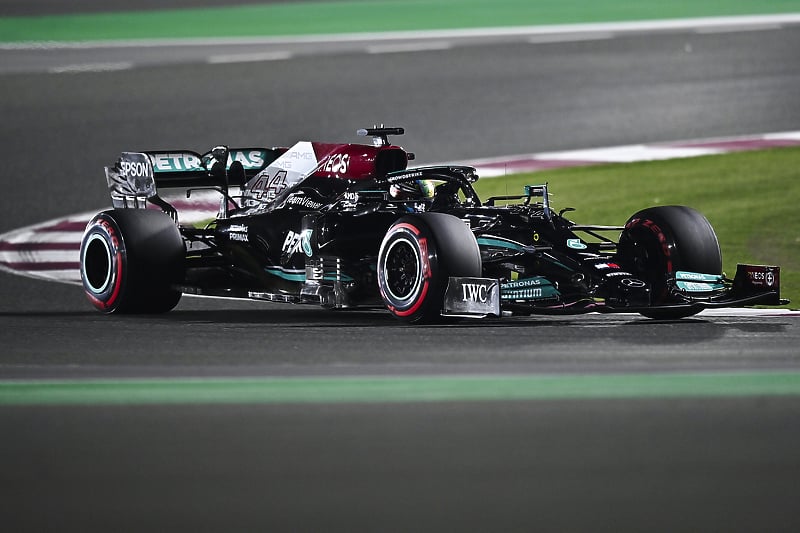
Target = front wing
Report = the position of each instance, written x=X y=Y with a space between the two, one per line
x=690 y=291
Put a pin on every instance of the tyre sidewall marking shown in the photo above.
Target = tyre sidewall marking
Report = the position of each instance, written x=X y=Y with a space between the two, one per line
x=106 y=230
x=420 y=246
x=664 y=246
x=92 y=237
x=419 y=279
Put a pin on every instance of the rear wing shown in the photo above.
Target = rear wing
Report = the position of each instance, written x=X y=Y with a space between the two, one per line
x=136 y=176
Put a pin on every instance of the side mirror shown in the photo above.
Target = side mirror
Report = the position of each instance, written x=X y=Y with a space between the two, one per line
x=219 y=172
x=220 y=154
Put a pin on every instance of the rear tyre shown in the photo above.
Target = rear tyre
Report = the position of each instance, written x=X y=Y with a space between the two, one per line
x=130 y=258
x=417 y=256
x=661 y=240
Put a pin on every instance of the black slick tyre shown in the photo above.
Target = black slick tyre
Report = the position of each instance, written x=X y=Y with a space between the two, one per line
x=129 y=260
x=658 y=241
x=417 y=256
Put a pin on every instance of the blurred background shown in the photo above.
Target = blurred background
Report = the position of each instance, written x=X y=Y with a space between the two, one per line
x=82 y=81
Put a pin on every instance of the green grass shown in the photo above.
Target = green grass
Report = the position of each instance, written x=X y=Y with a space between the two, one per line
x=371 y=389
x=360 y=16
x=751 y=198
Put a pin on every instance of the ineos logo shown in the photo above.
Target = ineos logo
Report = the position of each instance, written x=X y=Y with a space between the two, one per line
x=632 y=283
x=338 y=163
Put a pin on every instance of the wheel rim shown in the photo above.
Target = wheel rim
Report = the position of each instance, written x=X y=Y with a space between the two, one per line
x=96 y=264
x=402 y=270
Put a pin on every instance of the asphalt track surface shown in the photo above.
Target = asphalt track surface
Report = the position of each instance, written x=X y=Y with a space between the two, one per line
x=668 y=464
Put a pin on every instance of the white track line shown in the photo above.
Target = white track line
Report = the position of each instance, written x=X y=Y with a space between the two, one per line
x=91 y=67
x=748 y=312
x=628 y=154
x=786 y=135
x=571 y=38
x=249 y=58
x=776 y=21
x=491 y=167
x=408 y=47
x=40 y=256
x=737 y=29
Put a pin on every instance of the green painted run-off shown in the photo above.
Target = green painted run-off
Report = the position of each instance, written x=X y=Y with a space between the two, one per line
x=301 y=18
x=396 y=389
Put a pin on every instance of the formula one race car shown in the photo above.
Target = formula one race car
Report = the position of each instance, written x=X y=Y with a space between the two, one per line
x=349 y=225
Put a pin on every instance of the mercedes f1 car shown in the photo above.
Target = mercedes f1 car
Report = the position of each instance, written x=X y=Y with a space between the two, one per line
x=350 y=225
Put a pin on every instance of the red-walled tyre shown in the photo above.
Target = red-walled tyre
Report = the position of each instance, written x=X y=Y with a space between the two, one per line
x=417 y=256
x=130 y=258
x=658 y=241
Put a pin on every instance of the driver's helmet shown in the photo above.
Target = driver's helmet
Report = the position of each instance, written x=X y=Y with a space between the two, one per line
x=413 y=190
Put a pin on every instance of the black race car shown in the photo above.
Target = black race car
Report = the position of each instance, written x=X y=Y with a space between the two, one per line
x=349 y=225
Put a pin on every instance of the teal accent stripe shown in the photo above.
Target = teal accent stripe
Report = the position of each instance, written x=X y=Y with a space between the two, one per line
x=333 y=277
x=396 y=389
x=487 y=241
x=696 y=286
x=289 y=276
x=698 y=277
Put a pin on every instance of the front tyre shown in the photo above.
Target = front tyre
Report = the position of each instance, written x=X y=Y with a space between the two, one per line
x=659 y=241
x=129 y=260
x=417 y=256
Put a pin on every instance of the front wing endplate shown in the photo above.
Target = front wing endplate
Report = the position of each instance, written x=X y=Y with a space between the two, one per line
x=471 y=297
